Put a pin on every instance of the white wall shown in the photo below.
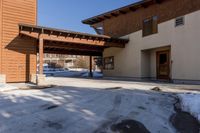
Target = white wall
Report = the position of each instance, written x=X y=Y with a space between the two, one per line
x=185 y=51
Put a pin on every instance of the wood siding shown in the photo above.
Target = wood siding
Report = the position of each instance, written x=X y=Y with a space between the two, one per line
x=0 y=35
x=18 y=56
x=132 y=21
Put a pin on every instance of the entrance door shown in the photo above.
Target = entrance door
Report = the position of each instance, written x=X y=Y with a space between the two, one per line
x=163 y=62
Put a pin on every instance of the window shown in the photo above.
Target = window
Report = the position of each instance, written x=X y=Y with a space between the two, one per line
x=150 y=26
x=109 y=63
x=179 y=21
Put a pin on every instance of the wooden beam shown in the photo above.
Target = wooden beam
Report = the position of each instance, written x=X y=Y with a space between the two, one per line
x=158 y=1
x=133 y=9
x=90 y=73
x=72 y=52
x=108 y=17
x=41 y=55
x=100 y=19
x=87 y=41
x=122 y=12
x=114 y=14
x=74 y=47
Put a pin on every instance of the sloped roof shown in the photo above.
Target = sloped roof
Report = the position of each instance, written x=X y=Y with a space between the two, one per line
x=123 y=10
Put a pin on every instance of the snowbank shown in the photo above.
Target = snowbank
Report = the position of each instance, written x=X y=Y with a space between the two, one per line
x=78 y=69
x=191 y=103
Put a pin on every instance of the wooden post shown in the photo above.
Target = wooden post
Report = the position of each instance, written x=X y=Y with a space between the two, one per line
x=41 y=55
x=91 y=74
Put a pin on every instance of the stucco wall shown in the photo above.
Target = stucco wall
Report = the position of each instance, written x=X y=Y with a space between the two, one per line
x=185 y=51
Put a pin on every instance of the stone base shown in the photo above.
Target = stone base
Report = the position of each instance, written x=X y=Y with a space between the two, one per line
x=40 y=80
x=2 y=78
x=33 y=78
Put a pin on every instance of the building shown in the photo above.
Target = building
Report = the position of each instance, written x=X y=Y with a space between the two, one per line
x=60 y=60
x=150 y=39
x=164 y=40
x=17 y=55
x=21 y=40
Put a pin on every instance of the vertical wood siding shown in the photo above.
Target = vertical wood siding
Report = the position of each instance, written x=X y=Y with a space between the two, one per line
x=18 y=55
x=0 y=34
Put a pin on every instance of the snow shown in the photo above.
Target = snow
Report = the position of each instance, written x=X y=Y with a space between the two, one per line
x=95 y=75
x=78 y=105
x=83 y=106
x=66 y=73
x=6 y=87
x=191 y=103
x=73 y=73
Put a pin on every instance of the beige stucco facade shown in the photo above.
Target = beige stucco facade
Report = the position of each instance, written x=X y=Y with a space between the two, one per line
x=138 y=58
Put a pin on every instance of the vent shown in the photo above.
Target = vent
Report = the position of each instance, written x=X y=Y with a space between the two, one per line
x=179 y=21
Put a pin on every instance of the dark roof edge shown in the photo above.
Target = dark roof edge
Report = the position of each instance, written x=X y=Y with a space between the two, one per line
x=142 y=2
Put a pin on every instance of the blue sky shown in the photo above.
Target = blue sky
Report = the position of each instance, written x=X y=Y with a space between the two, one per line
x=68 y=14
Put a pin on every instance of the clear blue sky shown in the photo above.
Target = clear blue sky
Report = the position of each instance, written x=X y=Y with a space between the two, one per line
x=68 y=14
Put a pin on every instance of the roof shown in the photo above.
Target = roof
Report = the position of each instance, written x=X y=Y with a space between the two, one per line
x=68 y=33
x=59 y=41
x=123 y=10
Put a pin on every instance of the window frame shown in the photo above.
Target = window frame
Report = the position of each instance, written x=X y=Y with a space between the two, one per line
x=154 y=27
x=108 y=63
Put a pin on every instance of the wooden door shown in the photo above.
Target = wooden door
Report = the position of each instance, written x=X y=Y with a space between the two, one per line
x=163 y=65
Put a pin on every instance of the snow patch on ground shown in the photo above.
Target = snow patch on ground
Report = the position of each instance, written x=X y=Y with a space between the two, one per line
x=84 y=73
x=83 y=106
x=191 y=103
x=6 y=87
x=95 y=74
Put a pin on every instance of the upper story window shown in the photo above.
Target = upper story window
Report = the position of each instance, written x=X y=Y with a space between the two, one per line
x=150 y=26
x=179 y=21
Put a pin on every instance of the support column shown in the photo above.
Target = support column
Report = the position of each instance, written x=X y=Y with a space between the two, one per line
x=40 y=76
x=41 y=55
x=90 y=73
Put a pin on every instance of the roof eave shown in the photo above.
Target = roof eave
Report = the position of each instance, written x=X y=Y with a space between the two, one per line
x=119 y=11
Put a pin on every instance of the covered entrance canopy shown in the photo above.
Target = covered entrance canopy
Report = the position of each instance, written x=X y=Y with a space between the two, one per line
x=68 y=42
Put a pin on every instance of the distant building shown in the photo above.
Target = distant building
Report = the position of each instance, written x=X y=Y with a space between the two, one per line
x=61 y=61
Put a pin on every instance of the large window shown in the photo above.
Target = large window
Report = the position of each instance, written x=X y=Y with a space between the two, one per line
x=109 y=63
x=150 y=26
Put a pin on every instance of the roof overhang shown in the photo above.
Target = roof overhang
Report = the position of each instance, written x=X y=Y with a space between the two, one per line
x=69 y=42
x=120 y=11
